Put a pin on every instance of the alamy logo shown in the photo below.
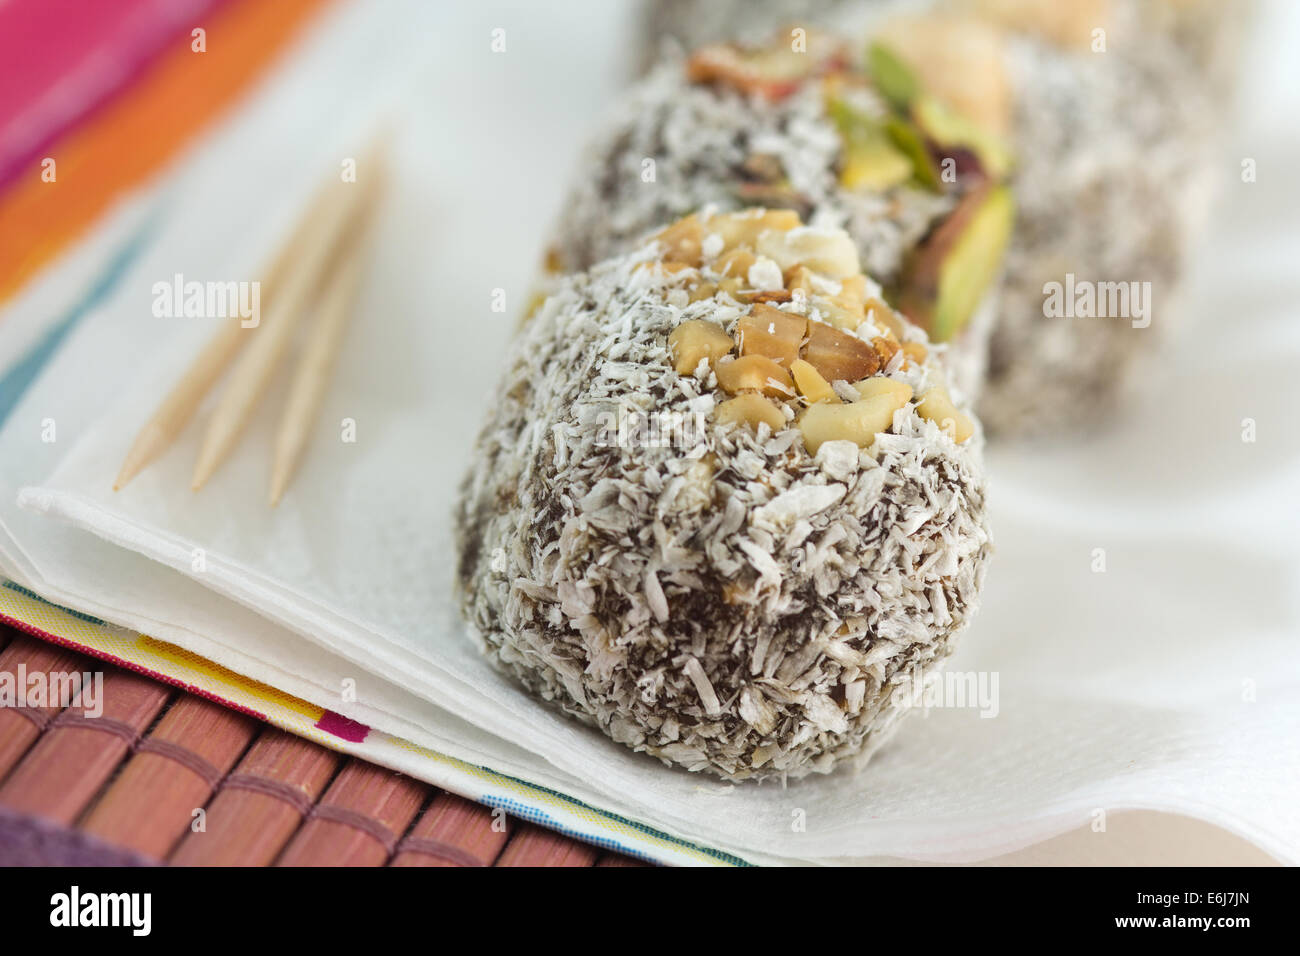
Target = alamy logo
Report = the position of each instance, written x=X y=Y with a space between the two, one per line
x=935 y=688
x=74 y=908
x=631 y=427
x=85 y=689
x=1084 y=299
x=208 y=300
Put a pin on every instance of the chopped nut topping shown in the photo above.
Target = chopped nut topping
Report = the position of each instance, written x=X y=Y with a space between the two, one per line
x=765 y=167
x=682 y=241
x=838 y=355
x=769 y=331
x=835 y=315
x=829 y=252
x=915 y=351
x=803 y=351
x=879 y=385
x=799 y=279
x=744 y=228
x=886 y=348
x=858 y=422
x=754 y=373
x=750 y=409
x=702 y=290
x=884 y=316
x=936 y=406
x=735 y=262
x=811 y=385
x=733 y=287
x=852 y=294
x=697 y=339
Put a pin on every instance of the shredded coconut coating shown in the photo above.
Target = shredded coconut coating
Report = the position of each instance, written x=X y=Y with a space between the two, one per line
x=726 y=602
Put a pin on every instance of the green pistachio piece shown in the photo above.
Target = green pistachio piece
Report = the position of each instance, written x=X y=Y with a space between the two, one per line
x=874 y=165
x=953 y=269
x=880 y=153
x=892 y=77
x=910 y=142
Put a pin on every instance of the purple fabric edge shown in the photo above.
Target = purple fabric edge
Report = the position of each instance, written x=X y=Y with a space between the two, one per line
x=33 y=841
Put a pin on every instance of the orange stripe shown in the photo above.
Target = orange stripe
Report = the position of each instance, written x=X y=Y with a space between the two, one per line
x=131 y=138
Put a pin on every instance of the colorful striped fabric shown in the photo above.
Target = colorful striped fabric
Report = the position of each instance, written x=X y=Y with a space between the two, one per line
x=166 y=662
x=121 y=140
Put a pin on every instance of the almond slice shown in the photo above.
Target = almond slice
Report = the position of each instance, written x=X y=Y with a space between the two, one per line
x=838 y=355
x=834 y=315
x=800 y=279
x=773 y=74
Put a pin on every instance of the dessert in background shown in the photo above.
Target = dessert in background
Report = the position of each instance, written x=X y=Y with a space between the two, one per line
x=1114 y=139
x=1114 y=150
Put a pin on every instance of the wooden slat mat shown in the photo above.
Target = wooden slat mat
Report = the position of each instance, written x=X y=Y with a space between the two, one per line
x=164 y=776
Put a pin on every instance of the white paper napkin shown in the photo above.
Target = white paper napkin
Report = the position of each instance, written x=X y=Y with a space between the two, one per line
x=1169 y=680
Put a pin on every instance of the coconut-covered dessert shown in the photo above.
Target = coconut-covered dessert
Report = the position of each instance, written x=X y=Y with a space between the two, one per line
x=1111 y=132
x=794 y=124
x=724 y=506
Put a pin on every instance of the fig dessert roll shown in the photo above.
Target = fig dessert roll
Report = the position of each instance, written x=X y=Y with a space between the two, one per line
x=845 y=137
x=724 y=506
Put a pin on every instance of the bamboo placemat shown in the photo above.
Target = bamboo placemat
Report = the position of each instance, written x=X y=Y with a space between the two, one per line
x=165 y=776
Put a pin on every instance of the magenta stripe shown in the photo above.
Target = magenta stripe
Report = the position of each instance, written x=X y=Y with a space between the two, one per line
x=342 y=727
x=63 y=60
